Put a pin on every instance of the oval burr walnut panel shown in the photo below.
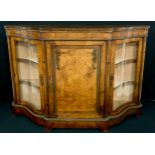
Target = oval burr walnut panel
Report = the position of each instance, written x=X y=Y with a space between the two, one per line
x=77 y=77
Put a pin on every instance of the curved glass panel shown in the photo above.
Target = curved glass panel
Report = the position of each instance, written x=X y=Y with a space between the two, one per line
x=28 y=72
x=124 y=73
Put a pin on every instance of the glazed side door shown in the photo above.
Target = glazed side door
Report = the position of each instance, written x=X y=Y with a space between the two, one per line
x=27 y=56
x=76 y=72
x=125 y=74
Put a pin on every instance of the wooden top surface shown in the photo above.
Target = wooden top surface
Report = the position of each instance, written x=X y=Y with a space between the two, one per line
x=106 y=28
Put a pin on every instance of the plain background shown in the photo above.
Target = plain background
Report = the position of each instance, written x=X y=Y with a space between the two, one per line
x=148 y=89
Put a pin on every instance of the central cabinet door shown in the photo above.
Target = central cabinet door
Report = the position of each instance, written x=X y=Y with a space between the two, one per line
x=76 y=78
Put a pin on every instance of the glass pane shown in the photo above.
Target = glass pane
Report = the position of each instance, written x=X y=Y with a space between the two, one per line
x=119 y=53
x=27 y=51
x=30 y=94
x=123 y=94
x=131 y=50
x=124 y=73
x=28 y=71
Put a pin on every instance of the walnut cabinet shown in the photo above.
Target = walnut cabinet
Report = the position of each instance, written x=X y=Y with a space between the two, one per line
x=77 y=77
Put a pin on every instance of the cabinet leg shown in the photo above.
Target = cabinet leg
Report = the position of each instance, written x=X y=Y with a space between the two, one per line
x=139 y=113
x=104 y=130
x=13 y=115
x=47 y=130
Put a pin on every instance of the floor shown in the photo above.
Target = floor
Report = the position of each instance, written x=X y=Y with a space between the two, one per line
x=11 y=123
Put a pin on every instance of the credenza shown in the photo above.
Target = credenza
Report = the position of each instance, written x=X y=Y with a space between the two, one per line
x=77 y=76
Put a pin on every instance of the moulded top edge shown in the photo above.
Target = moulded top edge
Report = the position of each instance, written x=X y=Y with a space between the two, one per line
x=106 y=28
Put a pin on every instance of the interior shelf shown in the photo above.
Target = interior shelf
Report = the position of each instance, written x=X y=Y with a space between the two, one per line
x=26 y=60
x=30 y=83
x=126 y=61
x=124 y=84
